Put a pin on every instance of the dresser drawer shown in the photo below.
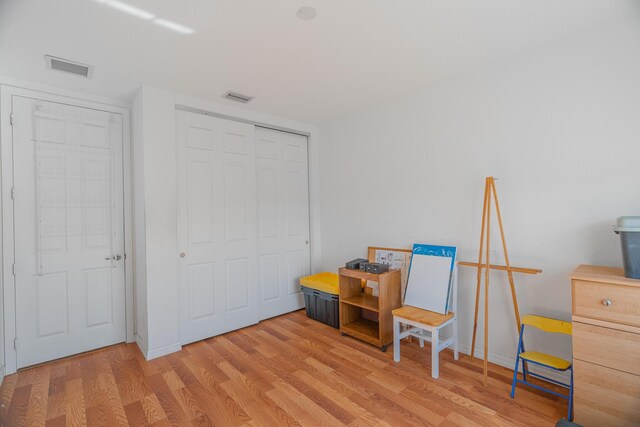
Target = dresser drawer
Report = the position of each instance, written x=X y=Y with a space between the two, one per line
x=607 y=347
x=590 y=300
x=605 y=397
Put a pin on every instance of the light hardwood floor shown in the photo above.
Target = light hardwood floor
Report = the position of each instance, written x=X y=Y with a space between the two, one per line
x=289 y=370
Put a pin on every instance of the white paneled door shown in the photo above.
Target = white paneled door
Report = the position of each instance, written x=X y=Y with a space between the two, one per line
x=69 y=235
x=217 y=226
x=283 y=213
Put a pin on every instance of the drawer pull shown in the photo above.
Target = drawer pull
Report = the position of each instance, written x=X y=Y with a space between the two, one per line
x=606 y=302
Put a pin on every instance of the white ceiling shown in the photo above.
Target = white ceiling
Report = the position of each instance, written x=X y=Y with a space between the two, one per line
x=355 y=53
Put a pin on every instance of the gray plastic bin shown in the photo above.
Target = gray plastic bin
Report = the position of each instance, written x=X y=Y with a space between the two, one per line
x=321 y=306
x=628 y=227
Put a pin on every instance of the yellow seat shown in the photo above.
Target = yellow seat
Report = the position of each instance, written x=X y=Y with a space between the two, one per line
x=324 y=282
x=546 y=359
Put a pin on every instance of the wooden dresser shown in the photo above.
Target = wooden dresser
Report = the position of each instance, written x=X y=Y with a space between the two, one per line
x=606 y=347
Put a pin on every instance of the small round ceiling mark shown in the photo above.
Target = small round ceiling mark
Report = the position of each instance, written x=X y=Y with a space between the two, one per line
x=306 y=13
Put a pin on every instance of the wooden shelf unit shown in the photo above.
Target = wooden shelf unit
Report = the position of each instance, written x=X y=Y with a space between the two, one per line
x=354 y=298
x=363 y=301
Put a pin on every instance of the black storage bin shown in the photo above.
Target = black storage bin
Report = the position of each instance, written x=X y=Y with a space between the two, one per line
x=322 y=306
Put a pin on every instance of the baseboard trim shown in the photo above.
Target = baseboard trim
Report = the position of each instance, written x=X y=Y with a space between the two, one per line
x=162 y=351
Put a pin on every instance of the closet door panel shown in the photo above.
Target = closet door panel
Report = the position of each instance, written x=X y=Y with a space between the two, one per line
x=217 y=226
x=283 y=209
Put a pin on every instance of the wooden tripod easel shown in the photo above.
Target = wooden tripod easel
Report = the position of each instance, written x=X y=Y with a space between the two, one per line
x=489 y=189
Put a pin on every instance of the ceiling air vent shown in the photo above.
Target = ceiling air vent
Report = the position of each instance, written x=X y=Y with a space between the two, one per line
x=238 y=97
x=67 y=66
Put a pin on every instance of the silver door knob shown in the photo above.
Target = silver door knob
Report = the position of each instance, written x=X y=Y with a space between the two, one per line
x=117 y=257
x=606 y=302
x=182 y=255
x=113 y=258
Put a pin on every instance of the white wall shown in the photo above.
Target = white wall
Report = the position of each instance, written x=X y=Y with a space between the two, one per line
x=156 y=207
x=559 y=127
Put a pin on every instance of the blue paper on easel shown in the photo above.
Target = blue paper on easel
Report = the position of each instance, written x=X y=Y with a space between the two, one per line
x=430 y=277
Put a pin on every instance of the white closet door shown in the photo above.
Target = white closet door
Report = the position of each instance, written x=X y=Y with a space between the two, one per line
x=69 y=235
x=283 y=211
x=216 y=225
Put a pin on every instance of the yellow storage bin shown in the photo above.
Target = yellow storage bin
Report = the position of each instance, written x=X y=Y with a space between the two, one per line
x=324 y=282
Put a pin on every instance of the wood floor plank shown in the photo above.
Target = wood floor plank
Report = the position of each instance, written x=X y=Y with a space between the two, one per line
x=128 y=377
x=74 y=403
x=203 y=374
x=175 y=414
x=105 y=400
x=135 y=414
x=37 y=411
x=199 y=357
x=396 y=413
x=241 y=382
x=304 y=410
x=6 y=393
x=221 y=406
x=182 y=372
x=56 y=385
x=60 y=421
x=190 y=405
x=222 y=347
x=244 y=341
x=19 y=405
x=339 y=399
x=173 y=380
x=250 y=405
x=153 y=409
x=285 y=371
x=388 y=380
x=56 y=405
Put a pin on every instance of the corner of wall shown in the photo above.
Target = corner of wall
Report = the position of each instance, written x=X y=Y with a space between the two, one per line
x=142 y=345
x=2 y=312
x=139 y=226
x=156 y=217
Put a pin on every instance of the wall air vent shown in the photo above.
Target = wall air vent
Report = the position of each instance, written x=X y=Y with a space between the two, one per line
x=238 y=97
x=67 y=66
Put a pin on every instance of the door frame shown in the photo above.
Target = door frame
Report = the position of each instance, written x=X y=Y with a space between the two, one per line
x=8 y=294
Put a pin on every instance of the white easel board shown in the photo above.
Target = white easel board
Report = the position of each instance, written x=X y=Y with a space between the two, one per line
x=430 y=275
